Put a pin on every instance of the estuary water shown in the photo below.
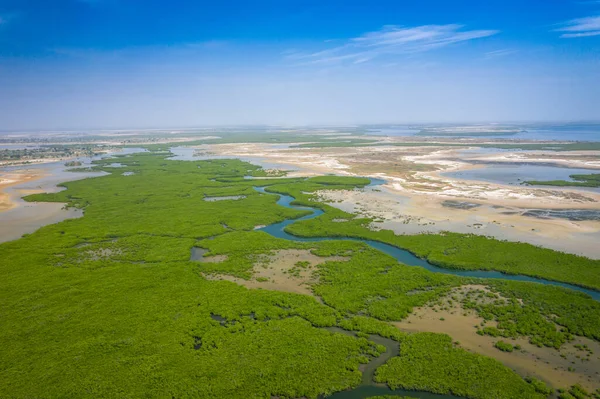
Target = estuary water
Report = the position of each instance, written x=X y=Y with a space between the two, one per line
x=403 y=256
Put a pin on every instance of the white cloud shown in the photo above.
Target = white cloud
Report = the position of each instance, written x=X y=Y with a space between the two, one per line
x=500 y=53
x=580 y=27
x=393 y=39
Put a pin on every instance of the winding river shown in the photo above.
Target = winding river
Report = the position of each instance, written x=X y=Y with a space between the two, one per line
x=403 y=256
x=368 y=388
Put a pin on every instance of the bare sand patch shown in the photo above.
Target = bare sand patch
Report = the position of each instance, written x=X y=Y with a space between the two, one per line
x=9 y=179
x=290 y=270
x=543 y=363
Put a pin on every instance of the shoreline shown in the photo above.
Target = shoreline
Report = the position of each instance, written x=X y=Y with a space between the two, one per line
x=11 y=179
x=19 y=217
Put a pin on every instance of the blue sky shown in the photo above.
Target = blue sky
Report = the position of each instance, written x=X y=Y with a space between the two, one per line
x=134 y=63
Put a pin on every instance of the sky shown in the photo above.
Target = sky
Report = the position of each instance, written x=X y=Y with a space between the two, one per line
x=83 y=64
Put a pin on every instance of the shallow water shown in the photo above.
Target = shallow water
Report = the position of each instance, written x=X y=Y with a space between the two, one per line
x=187 y=154
x=517 y=174
x=197 y=254
x=27 y=217
x=403 y=256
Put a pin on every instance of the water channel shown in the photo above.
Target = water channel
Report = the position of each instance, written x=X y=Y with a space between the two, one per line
x=403 y=256
x=368 y=387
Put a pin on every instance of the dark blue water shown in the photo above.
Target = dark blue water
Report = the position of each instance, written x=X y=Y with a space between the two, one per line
x=403 y=256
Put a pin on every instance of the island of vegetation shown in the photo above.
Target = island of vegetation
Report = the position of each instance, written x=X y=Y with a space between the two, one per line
x=591 y=180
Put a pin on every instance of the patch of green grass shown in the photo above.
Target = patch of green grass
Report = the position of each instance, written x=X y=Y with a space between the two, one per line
x=591 y=180
x=504 y=346
x=431 y=362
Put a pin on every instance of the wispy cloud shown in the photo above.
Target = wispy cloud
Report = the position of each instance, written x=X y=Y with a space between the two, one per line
x=393 y=39
x=500 y=53
x=580 y=27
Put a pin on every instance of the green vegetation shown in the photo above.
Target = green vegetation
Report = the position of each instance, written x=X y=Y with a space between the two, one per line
x=110 y=305
x=431 y=362
x=577 y=392
x=55 y=151
x=534 y=310
x=539 y=386
x=504 y=346
x=591 y=180
x=450 y=250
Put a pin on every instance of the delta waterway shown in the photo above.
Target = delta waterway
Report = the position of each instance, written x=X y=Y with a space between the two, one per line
x=368 y=387
x=403 y=256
